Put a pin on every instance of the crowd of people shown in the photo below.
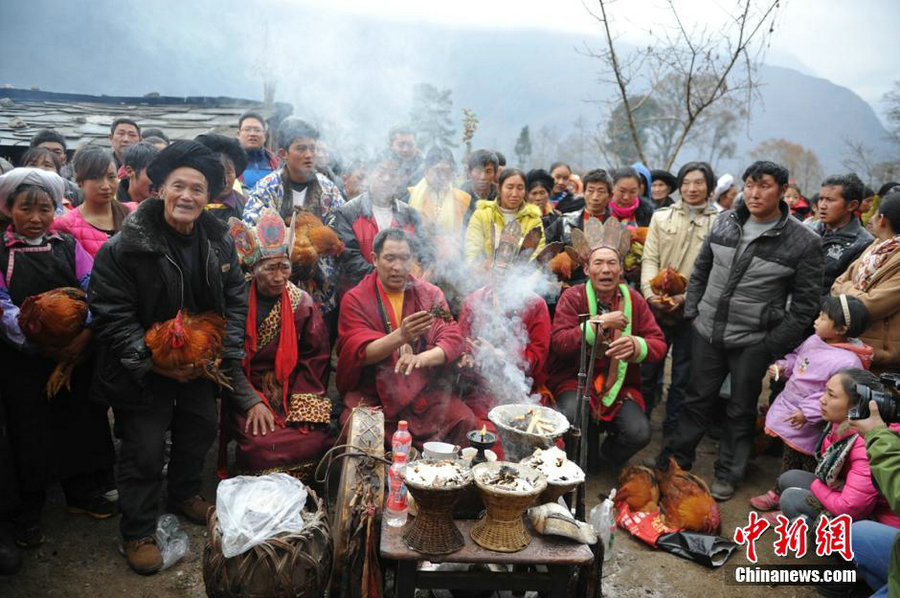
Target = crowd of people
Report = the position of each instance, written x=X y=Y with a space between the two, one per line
x=215 y=285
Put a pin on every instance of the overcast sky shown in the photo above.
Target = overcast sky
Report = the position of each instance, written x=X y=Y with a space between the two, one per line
x=853 y=44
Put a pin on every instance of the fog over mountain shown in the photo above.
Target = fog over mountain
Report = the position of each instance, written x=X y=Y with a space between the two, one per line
x=358 y=73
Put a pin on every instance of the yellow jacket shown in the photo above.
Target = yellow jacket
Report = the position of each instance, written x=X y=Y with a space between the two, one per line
x=446 y=210
x=674 y=240
x=487 y=215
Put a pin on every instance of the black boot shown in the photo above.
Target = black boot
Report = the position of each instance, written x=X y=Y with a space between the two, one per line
x=10 y=555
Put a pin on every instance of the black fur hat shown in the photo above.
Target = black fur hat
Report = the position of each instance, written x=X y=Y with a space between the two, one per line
x=188 y=154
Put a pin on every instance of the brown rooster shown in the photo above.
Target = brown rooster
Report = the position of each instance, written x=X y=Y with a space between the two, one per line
x=313 y=239
x=639 y=488
x=667 y=283
x=639 y=234
x=686 y=501
x=189 y=340
x=52 y=320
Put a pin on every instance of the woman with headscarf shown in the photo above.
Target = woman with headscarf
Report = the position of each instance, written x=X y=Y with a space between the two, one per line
x=230 y=202
x=66 y=437
x=286 y=360
x=874 y=279
x=538 y=188
x=172 y=256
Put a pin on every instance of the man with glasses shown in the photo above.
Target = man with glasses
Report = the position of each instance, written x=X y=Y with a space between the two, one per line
x=123 y=133
x=260 y=161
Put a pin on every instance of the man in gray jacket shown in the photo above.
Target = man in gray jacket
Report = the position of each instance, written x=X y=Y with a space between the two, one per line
x=752 y=296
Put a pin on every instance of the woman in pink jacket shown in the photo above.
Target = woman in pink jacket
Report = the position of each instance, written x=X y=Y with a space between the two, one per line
x=100 y=216
x=842 y=482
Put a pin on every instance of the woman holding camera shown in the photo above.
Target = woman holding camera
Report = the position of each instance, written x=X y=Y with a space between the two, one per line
x=874 y=279
x=842 y=482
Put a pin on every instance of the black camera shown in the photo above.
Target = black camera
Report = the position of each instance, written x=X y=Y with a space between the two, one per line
x=888 y=403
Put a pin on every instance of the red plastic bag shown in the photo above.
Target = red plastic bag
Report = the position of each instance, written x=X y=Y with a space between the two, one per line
x=647 y=527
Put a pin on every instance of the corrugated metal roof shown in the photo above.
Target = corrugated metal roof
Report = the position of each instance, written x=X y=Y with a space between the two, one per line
x=84 y=119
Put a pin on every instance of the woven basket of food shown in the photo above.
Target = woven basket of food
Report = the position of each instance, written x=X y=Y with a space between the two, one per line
x=562 y=475
x=289 y=565
x=506 y=489
x=436 y=487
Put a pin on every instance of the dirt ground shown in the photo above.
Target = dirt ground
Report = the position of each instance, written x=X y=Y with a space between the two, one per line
x=80 y=558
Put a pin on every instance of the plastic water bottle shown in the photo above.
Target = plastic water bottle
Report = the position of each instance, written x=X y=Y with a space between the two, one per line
x=171 y=539
x=396 y=506
x=603 y=519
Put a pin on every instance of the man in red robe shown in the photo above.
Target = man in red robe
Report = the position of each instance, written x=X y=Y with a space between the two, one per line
x=394 y=353
x=621 y=321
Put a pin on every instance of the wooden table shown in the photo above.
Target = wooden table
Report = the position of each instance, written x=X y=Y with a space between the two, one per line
x=558 y=555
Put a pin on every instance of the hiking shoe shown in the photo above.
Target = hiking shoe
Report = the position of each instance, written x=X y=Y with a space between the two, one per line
x=97 y=506
x=143 y=555
x=194 y=509
x=765 y=502
x=30 y=536
x=721 y=489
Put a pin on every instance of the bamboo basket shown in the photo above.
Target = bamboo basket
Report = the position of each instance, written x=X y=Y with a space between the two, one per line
x=502 y=528
x=432 y=530
x=290 y=565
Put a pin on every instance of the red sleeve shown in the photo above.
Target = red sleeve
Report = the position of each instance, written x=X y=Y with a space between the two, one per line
x=565 y=335
x=355 y=332
x=645 y=326
x=313 y=349
x=465 y=317
x=538 y=322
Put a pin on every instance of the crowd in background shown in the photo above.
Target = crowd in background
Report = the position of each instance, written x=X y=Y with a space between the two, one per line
x=385 y=271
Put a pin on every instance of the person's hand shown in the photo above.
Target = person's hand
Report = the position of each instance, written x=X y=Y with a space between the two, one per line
x=409 y=362
x=466 y=361
x=182 y=374
x=259 y=420
x=614 y=320
x=775 y=371
x=623 y=348
x=864 y=426
x=415 y=325
x=796 y=419
x=674 y=303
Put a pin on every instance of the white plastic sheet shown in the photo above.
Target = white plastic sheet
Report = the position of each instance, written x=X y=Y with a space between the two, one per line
x=252 y=509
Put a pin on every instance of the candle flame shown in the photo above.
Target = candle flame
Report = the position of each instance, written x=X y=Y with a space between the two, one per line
x=483 y=431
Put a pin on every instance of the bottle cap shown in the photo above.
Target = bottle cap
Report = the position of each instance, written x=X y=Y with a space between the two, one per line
x=401 y=425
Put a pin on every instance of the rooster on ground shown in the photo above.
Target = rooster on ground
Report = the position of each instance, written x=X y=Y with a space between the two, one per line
x=638 y=487
x=52 y=320
x=190 y=340
x=686 y=501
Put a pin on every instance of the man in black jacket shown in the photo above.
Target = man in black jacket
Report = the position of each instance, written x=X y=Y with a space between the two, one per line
x=843 y=236
x=171 y=255
x=752 y=296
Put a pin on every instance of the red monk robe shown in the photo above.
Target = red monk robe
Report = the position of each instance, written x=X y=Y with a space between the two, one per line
x=425 y=397
x=303 y=413
x=565 y=347
x=536 y=319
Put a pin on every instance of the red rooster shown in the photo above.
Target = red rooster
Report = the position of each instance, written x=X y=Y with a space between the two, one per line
x=53 y=320
x=190 y=340
x=313 y=239
x=686 y=501
x=638 y=487
x=668 y=283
